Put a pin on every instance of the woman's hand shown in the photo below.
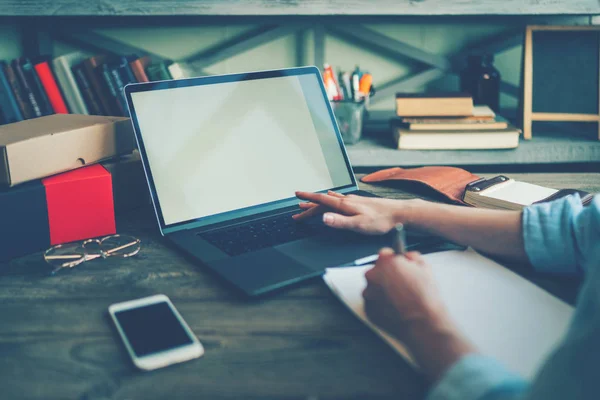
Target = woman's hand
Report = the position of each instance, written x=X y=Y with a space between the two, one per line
x=401 y=297
x=400 y=291
x=360 y=214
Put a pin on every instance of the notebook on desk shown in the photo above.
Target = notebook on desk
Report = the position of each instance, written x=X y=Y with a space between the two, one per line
x=504 y=193
x=504 y=315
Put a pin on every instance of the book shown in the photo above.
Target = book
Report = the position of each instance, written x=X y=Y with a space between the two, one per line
x=123 y=71
x=138 y=66
x=158 y=72
x=36 y=86
x=126 y=71
x=434 y=105
x=503 y=193
x=57 y=102
x=98 y=89
x=86 y=90
x=181 y=70
x=119 y=85
x=457 y=140
x=110 y=83
x=452 y=124
x=504 y=315
x=480 y=114
x=456 y=125
x=64 y=75
x=26 y=88
x=8 y=102
x=18 y=91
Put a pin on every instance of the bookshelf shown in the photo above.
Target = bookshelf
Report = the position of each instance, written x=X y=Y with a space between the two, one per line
x=73 y=22
x=565 y=146
x=376 y=150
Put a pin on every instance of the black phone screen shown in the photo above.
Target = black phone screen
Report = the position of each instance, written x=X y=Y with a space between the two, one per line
x=152 y=328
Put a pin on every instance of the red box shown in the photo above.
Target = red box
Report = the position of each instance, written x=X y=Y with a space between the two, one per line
x=80 y=204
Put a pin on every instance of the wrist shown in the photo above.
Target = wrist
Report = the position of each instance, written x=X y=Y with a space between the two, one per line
x=437 y=344
x=434 y=323
x=408 y=212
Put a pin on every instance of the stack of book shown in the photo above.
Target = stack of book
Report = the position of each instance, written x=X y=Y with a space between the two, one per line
x=449 y=121
x=76 y=84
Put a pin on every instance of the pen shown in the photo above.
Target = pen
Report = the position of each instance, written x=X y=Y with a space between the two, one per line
x=399 y=245
x=364 y=84
x=356 y=84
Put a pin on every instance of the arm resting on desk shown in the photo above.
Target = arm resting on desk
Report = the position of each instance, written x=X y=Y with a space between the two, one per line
x=494 y=232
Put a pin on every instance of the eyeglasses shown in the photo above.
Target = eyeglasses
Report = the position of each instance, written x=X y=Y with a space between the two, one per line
x=70 y=255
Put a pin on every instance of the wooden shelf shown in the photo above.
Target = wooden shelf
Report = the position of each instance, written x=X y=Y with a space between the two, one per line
x=300 y=7
x=378 y=151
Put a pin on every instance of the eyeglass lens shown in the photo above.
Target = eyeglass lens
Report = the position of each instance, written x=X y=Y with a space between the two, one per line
x=119 y=246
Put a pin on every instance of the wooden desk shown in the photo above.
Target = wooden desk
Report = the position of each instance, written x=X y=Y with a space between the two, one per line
x=56 y=341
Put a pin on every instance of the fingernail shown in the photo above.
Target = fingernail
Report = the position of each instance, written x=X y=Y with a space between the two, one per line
x=386 y=251
x=327 y=218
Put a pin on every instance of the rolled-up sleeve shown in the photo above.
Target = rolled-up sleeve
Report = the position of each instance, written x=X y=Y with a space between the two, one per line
x=558 y=234
x=477 y=377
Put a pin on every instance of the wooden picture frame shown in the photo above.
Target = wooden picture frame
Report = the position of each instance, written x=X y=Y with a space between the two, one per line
x=529 y=115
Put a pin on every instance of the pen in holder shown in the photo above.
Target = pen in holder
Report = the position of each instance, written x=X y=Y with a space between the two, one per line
x=349 y=95
x=350 y=117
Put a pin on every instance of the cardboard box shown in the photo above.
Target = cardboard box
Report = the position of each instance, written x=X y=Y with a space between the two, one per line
x=40 y=147
x=80 y=204
x=23 y=221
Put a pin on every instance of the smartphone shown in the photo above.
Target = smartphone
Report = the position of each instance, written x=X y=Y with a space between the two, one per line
x=154 y=333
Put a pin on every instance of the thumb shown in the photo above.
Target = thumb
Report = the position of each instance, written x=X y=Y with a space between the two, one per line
x=340 y=221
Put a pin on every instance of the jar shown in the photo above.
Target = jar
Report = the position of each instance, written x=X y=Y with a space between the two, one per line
x=481 y=80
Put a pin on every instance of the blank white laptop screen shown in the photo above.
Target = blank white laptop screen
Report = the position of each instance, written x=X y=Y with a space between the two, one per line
x=221 y=147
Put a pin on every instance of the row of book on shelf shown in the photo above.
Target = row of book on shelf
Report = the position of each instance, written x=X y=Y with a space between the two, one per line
x=76 y=84
x=449 y=121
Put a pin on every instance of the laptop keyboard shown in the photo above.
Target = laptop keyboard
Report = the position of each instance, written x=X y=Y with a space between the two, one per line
x=260 y=234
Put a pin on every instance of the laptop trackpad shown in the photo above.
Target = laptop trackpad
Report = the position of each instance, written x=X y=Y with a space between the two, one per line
x=262 y=270
x=337 y=248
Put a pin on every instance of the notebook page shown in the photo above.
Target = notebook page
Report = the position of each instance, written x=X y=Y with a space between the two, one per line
x=518 y=192
x=502 y=314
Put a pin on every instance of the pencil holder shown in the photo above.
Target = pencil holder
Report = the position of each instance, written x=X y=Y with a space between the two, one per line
x=350 y=118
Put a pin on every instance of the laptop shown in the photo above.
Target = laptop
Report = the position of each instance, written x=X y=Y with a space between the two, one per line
x=223 y=157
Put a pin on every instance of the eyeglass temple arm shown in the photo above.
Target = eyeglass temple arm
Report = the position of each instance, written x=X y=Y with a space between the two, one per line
x=90 y=257
x=122 y=247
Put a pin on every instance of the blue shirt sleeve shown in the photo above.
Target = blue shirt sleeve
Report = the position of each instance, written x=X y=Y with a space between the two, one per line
x=476 y=377
x=558 y=235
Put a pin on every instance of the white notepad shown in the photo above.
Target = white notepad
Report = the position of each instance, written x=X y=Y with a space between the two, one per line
x=504 y=315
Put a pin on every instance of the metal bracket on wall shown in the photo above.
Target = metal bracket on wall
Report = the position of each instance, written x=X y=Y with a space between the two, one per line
x=433 y=66
x=94 y=42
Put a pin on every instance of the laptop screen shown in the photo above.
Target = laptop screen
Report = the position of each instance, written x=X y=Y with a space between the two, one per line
x=218 y=147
